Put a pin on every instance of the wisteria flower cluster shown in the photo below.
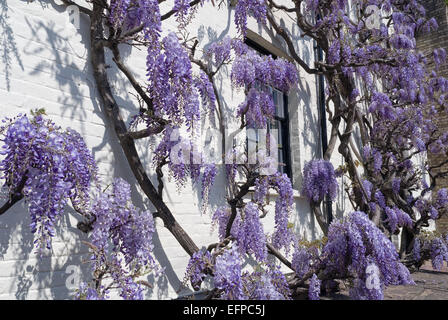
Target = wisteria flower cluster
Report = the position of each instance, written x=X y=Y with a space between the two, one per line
x=314 y=290
x=397 y=218
x=199 y=262
x=221 y=218
x=171 y=83
x=251 y=237
x=431 y=246
x=266 y=283
x=353 y=244
x=244 y=8
x=246 y=229
x=281 y=183
x=256 y=74
x=304 y=258
x=227 y=278
x=232 y=281
x=121 y=242
x=319 y=180
x=184 y=161
x=49 y=166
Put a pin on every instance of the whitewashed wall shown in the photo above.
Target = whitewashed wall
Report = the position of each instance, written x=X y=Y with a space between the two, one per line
x=44 y=63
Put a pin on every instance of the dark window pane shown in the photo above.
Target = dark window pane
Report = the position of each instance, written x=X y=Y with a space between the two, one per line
x=279 y=123
x=278 y=101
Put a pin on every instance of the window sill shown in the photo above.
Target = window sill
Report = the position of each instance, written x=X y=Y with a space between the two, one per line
x=295 y=193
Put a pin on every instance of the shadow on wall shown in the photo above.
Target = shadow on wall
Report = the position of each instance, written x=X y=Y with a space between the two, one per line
x=8 y=47
x=26 y=275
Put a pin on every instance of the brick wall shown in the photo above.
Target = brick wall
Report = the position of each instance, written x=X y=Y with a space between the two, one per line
x=439 y=10
x=44 y=63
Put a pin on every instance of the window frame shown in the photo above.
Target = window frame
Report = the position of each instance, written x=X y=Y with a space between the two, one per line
x=285 y=121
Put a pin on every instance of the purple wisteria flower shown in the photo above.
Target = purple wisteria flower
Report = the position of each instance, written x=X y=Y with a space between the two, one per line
x=266 y=284
x=196 y=268
x=50 y=167
x=301 y=261
x=251 y=237
x=121 y=240
x=355 y=243
x=314 y=289
x=221 y=217
x=228 y=275
x=438 y=252
x=397 y=218
x=319 y=180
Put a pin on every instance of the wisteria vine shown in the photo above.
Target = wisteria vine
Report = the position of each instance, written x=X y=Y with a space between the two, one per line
x=380 y=70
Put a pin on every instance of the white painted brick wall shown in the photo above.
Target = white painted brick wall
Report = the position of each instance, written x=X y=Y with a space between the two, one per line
x=45 y=63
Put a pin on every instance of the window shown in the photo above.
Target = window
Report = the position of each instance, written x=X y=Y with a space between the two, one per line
x=280 y=122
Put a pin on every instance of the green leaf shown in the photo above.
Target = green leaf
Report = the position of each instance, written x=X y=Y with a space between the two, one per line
x=38 y=112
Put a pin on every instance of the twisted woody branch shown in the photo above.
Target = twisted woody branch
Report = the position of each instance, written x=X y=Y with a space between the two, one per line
x=112 y=111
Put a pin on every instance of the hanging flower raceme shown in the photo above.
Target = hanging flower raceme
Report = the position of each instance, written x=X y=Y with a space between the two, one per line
x=184 y=160
x=282 y=236
x=220 y=52
x=125 y=15
x=227 y=277
x=171 y=83
x=208 y=178
x=251 y=237
x=267 y=283
x=247 y=230
x=431 y=246
x=250 y=69
x=244 y=8
x=257 y=108
x=182 y=8
x=121 y=241
x=314 y=289
x=357 y=248
x=206 y=92
x=319 y=180
x=197 y=266
x=433 y=207
x=397 y=218
x=256 y=74
x=303 y=259
x=49 y=166
x=221 y=217
x=118 y=11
